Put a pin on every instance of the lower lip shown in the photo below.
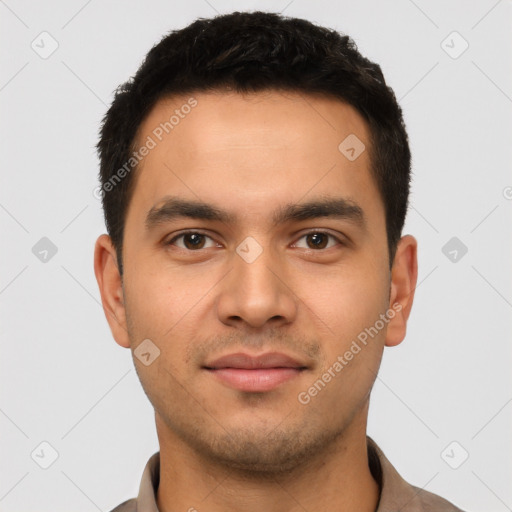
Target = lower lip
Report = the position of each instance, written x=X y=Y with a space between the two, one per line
x=262 y=379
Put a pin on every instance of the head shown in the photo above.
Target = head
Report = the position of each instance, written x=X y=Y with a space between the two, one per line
x=246 y=52
x=284 y=150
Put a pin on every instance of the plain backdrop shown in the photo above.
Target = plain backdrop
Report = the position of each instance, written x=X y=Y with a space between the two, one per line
x=443 y=397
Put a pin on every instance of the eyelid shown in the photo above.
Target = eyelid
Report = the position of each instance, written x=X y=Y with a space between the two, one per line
x=188 y=232
x=311 y=231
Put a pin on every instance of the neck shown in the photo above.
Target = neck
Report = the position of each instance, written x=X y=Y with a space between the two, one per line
x=338 y=479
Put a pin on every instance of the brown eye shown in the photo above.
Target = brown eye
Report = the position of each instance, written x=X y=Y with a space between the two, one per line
x=191 y=241
x=318 y=240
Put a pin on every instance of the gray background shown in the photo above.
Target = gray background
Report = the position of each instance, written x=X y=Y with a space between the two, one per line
x=63 y=378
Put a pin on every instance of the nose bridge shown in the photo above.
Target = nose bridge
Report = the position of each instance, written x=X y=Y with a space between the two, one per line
x=254 y=291
x=255 y=277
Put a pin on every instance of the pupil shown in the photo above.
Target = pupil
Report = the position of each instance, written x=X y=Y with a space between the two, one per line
x=194 y=240
x=315 y=236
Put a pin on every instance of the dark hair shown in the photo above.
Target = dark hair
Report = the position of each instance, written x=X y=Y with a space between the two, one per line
x=251 y=52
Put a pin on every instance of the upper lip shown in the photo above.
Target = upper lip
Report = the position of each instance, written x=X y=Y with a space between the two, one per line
x=248 y=362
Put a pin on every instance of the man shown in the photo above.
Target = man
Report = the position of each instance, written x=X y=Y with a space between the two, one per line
x=255 y=177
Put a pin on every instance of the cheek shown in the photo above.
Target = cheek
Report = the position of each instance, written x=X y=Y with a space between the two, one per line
x=169 y=308
x=160 y=307
x=162 y=301
x=350 y=301
x=350 y=307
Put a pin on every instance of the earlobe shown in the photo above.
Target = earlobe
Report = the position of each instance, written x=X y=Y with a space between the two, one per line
x=111 y=290
x=404 y=275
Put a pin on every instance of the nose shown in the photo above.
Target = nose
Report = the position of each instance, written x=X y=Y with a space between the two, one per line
x=257 y=292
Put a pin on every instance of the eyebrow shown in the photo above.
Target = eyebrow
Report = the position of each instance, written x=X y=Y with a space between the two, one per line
x=174 y=208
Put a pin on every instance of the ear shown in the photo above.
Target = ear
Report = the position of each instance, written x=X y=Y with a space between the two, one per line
x=404 y=275
x=111 y=288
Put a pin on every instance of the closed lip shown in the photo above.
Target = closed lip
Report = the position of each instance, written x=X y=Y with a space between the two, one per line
x=246 y=361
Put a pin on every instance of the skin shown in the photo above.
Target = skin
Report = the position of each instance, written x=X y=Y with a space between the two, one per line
x=221 y=448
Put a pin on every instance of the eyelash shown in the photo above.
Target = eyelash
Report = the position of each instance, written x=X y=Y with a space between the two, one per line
x=194 y=232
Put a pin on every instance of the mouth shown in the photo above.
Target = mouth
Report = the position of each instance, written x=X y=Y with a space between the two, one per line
x=255 y=373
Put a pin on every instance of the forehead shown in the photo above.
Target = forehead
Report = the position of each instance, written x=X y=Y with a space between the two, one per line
x=252 y=148
x=241 y=121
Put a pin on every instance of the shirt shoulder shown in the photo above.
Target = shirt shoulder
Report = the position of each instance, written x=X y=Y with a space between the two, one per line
x=146 y=500
x=396 y=493
x=430 y=502
x=126 y=506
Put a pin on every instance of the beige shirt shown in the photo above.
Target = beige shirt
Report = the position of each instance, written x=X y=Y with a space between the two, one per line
x=396 y=495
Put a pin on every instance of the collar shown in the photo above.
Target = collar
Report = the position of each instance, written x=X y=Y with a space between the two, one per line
x=395 y=492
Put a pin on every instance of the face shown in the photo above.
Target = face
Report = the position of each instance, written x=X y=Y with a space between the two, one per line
x=222 y=256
